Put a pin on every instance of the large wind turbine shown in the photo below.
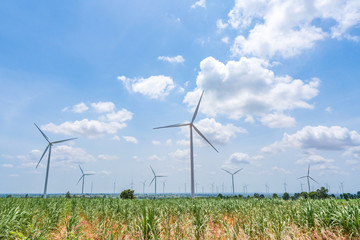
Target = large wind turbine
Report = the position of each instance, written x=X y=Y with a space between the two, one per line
x=49 y=146
x=308 y=177
x=232 y=177
x=155 y=177
x=83 y=179
x=192 y=126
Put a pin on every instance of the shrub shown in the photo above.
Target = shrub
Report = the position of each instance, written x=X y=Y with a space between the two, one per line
x=127 y=194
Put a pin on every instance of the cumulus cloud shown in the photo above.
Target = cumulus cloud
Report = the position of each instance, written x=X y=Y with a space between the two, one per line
x=79 y=108
x=221 y=25
x=216 y=132
x=238 y=158
x=61 y=155
x=200 y=3
x=102 y=107
x=281 y=170
x=314 y=159
x=119 y=116
x=155 y=142
x=176 y=59
x=130 y=139
x=154 y=87
x=107 y=157
x=180 y=154
x=286 y=29
x=85 y=127
x=247 y=88
x=318 y=138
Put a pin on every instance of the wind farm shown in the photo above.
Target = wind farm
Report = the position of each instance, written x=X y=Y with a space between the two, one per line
x=190 y=119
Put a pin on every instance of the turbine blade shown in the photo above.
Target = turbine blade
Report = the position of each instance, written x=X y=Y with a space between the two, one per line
x=161 y=176
x=313 y=180
x=80 y=179
x=309 y=170
x=63 y=140
x=88 y=174
x=197 y=108
x=237 y=171
x=197 y=130
x=81 y=170
x=47 y=139
x=152 y=170
x=226 y=171
x=152 y=181
x=174 y=125
x=43 y=155
x=302 y=177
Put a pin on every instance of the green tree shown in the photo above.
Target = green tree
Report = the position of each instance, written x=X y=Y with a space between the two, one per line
x=127 y=194
x=275 y=195
x=67 y=195
x=286 y=196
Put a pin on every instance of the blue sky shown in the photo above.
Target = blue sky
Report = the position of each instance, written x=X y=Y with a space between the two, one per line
x=280 y=81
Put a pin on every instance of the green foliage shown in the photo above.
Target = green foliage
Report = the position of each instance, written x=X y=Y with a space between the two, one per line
x=67 y=195
x=286 y=196
x=275 y=196
x=127 y=194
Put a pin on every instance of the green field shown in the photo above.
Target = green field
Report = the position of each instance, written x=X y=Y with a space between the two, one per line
x=211 y=218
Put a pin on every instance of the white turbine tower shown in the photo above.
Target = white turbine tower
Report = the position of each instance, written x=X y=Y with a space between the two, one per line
x=83 y=179
x=308 y=177
x=49 y=146
x=155 y=177
x=192 y=126
x=232 y=177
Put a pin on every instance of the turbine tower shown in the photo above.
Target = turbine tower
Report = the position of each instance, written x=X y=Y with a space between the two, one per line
x=83 y=179
x=49 y=146
x=192 y=126
x=155 y=177
x=143 y=183
x=308 y=177
x=232 y=177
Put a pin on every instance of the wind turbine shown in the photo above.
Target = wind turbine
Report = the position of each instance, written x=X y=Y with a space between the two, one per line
x=192 y=126
x=232 y=177
x=83 y=179
x=308 y=177
x=285 y=185
x=143 y=183
x=155 y=177
x=114 y=186
x=163 y=186
x=267 y=189
x=49 y=146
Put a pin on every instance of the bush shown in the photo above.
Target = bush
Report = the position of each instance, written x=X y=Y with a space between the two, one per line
x=127 y=194
x=286 y=196
x=67 y=195
x=275 y=195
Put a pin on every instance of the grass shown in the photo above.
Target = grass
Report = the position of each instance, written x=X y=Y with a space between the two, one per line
x=211 y=218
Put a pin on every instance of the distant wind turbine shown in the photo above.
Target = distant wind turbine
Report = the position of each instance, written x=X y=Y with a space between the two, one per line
x=285 y=185
x=155 y=178
x=83 y=179
x=192 y=126
x=143 y=183
x=49 y=146
x=267 y=188
x=232 y=177
x=308 y=178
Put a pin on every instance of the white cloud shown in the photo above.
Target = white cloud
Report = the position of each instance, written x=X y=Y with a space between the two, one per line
x=286 y=29
x=155 y=157
x=119 y=116
x=200 y=3
x=238 y=158
x=217 y=133
x=314 y=159
x=248 y=88
x=7 y=165
x=176 y=59
x=329 y=109
x=130 y=139
x=85 y=127
x=61 y=155
x=116 y=138
x=155 y=142
x=277 y=120
x=225 y=40
x=180 y=154
x=318 y=138
x=281 y=170
x=220 y=24
x=107 y=157
x=79 y=108
x=102 y=107
x=154 y=87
